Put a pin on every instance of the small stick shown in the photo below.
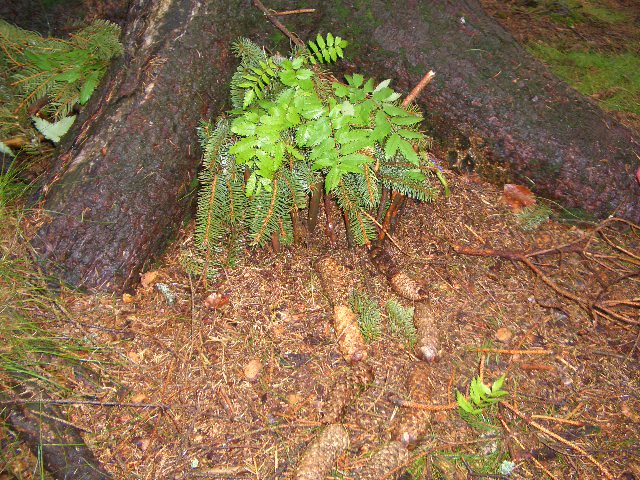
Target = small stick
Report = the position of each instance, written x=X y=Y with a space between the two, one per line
x=512 y=352
x=560 y=439
x=278 y=24
x=419 y=87
x=294 y=12
x=559 y=420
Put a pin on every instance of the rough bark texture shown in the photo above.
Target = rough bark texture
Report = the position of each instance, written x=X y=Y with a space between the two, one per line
x=61 y=446
x=120 y=187
x=534 y=126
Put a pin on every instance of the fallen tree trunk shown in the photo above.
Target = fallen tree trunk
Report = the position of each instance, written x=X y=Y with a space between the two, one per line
x=536 y=129
x=122 y=183
x=120 y=187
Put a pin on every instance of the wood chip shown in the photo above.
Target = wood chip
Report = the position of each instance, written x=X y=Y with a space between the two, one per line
x=252 y=369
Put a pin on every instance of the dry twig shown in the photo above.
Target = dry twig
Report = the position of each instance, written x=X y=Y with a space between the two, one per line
x=560 y=439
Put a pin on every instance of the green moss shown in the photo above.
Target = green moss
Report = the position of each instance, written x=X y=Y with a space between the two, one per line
x=570 y=12
x=612 y=79
x=602 y=12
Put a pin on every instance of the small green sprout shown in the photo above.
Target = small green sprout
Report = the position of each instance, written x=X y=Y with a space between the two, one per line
x=481 y=396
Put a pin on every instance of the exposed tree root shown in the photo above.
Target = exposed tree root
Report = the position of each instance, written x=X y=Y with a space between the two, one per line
x=560 y=439
x=618 y=262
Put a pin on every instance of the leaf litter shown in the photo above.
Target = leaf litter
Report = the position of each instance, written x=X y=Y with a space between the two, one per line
x=220 y=381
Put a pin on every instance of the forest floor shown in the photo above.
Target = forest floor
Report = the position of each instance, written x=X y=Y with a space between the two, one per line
x=235 y=378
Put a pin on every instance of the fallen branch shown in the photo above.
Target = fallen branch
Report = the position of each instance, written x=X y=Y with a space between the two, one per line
x=560 y=439
x=277 y=23
x=591 y=307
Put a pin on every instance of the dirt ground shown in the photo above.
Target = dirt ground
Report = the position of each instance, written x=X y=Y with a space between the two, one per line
x=240 y=387
x=182 y=405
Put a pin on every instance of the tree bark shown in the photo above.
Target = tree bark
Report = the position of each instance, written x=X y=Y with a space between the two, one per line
x=536 y=129
x=121 y=184
x=44 y=427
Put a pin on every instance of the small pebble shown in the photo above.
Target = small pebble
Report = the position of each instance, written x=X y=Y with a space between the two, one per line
x=252 y=369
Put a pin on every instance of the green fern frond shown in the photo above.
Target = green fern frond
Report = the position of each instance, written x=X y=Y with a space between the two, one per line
x=270 y=210
x=369 y=316
x=401 y=322
x=349 y=199
x=249 y=53
x=411 y=182
x=254 y=75
x=211 y=140
x=67 y=72
x=326 y=49
x=531 y=217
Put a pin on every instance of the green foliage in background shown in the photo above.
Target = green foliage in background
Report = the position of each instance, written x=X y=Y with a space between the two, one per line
x=294 y=126
x=612 y=77
x=60 y=73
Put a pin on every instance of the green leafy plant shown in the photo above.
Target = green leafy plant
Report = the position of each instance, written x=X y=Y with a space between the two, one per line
x=294 y=129
x=401 y=322
x=369 y=317
x=326 y=50
x=53 y=131
x=50 y=76
x=481 y=396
